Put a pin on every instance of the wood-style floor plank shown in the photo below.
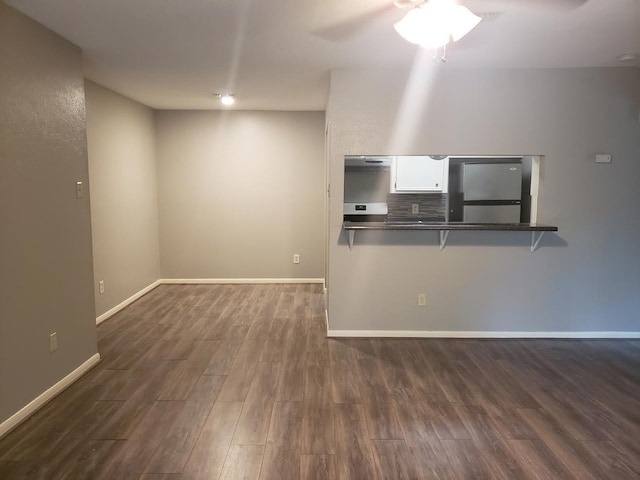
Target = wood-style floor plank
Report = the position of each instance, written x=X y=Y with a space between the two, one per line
x=344 y=381
x=492 y=444
x=537 y=461
x=316 y=351
x=243 y=461
x=389 y=353
x=563 y=447
x=282 y=452
x=221 y=357
x=174 y=450
x=239 y=381
x=354 y=457
x=119 y=425
x=382 y=420
x=134 y=453
x=240 y=376
x=82 y=462
x=210 y=451
x=291 y=381
x=420 y=436
x=394 y=461
x=182 y=379
x=610 y=459
x=317 y=435
x=317 y=467
x=253 y=424
x=467 y=461
x=415 y=357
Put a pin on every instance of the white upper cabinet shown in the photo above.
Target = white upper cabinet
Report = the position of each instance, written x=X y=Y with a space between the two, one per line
x=419 y=173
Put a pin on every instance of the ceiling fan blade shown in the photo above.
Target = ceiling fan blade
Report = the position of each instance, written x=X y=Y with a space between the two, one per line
x=345 y=29
x=480 y=35
x=512 y=5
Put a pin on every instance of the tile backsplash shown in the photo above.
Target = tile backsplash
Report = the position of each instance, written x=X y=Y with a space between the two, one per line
x=432 y=206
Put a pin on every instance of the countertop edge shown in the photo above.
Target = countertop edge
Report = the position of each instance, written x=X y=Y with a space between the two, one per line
x=515 y=227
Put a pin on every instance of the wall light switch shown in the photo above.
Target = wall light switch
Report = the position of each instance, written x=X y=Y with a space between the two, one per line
x=79 y=189
x=603 y=158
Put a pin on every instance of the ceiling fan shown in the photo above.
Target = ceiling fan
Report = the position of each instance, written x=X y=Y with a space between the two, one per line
x=486 y=9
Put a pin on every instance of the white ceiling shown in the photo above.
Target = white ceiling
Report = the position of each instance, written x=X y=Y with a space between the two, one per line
x=277 y=54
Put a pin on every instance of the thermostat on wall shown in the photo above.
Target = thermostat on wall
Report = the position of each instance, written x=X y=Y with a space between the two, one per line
x=603 y=158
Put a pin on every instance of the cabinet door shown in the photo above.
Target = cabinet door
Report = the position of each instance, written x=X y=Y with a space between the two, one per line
x=420 y=174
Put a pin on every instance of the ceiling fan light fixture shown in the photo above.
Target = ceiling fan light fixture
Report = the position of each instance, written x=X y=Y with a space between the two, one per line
x=226 y=99
x=435 y=23
x=628 y=57
x=418 y=26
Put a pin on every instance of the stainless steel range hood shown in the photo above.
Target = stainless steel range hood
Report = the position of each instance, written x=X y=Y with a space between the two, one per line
x=363 y=161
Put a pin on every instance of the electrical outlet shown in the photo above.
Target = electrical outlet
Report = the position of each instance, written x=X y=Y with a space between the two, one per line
x=101 y=287
x=415 y=208
x=422 y=299
x=53 y=342
x=296 y=258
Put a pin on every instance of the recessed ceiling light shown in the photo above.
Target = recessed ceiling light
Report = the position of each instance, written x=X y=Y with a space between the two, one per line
x=628 y=57
x=226 y=98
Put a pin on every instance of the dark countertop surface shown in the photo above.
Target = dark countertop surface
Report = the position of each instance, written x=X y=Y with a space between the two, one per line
x=425 y=225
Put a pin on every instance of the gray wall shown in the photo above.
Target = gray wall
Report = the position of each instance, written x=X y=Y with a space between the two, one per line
x=124 y=196
x=585 y=278
x=240 y=193
x=46 y=273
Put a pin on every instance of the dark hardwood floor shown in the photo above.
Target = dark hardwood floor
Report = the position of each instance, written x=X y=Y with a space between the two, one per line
x=239 y=382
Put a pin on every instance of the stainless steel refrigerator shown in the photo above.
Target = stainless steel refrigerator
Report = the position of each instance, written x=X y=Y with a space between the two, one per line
x=492 y=192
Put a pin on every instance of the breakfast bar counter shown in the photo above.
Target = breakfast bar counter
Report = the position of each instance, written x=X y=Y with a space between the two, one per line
x=444 y=228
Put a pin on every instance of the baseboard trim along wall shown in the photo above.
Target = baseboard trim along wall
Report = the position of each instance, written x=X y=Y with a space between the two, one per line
x=202 y=281
x=467 y=334
x=33 y=406
x=127 y=302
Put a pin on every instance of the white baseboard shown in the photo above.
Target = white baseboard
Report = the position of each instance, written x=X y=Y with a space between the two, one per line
x=238 y=280
x=472 y=334
x=28 y=410
x=127 y=302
